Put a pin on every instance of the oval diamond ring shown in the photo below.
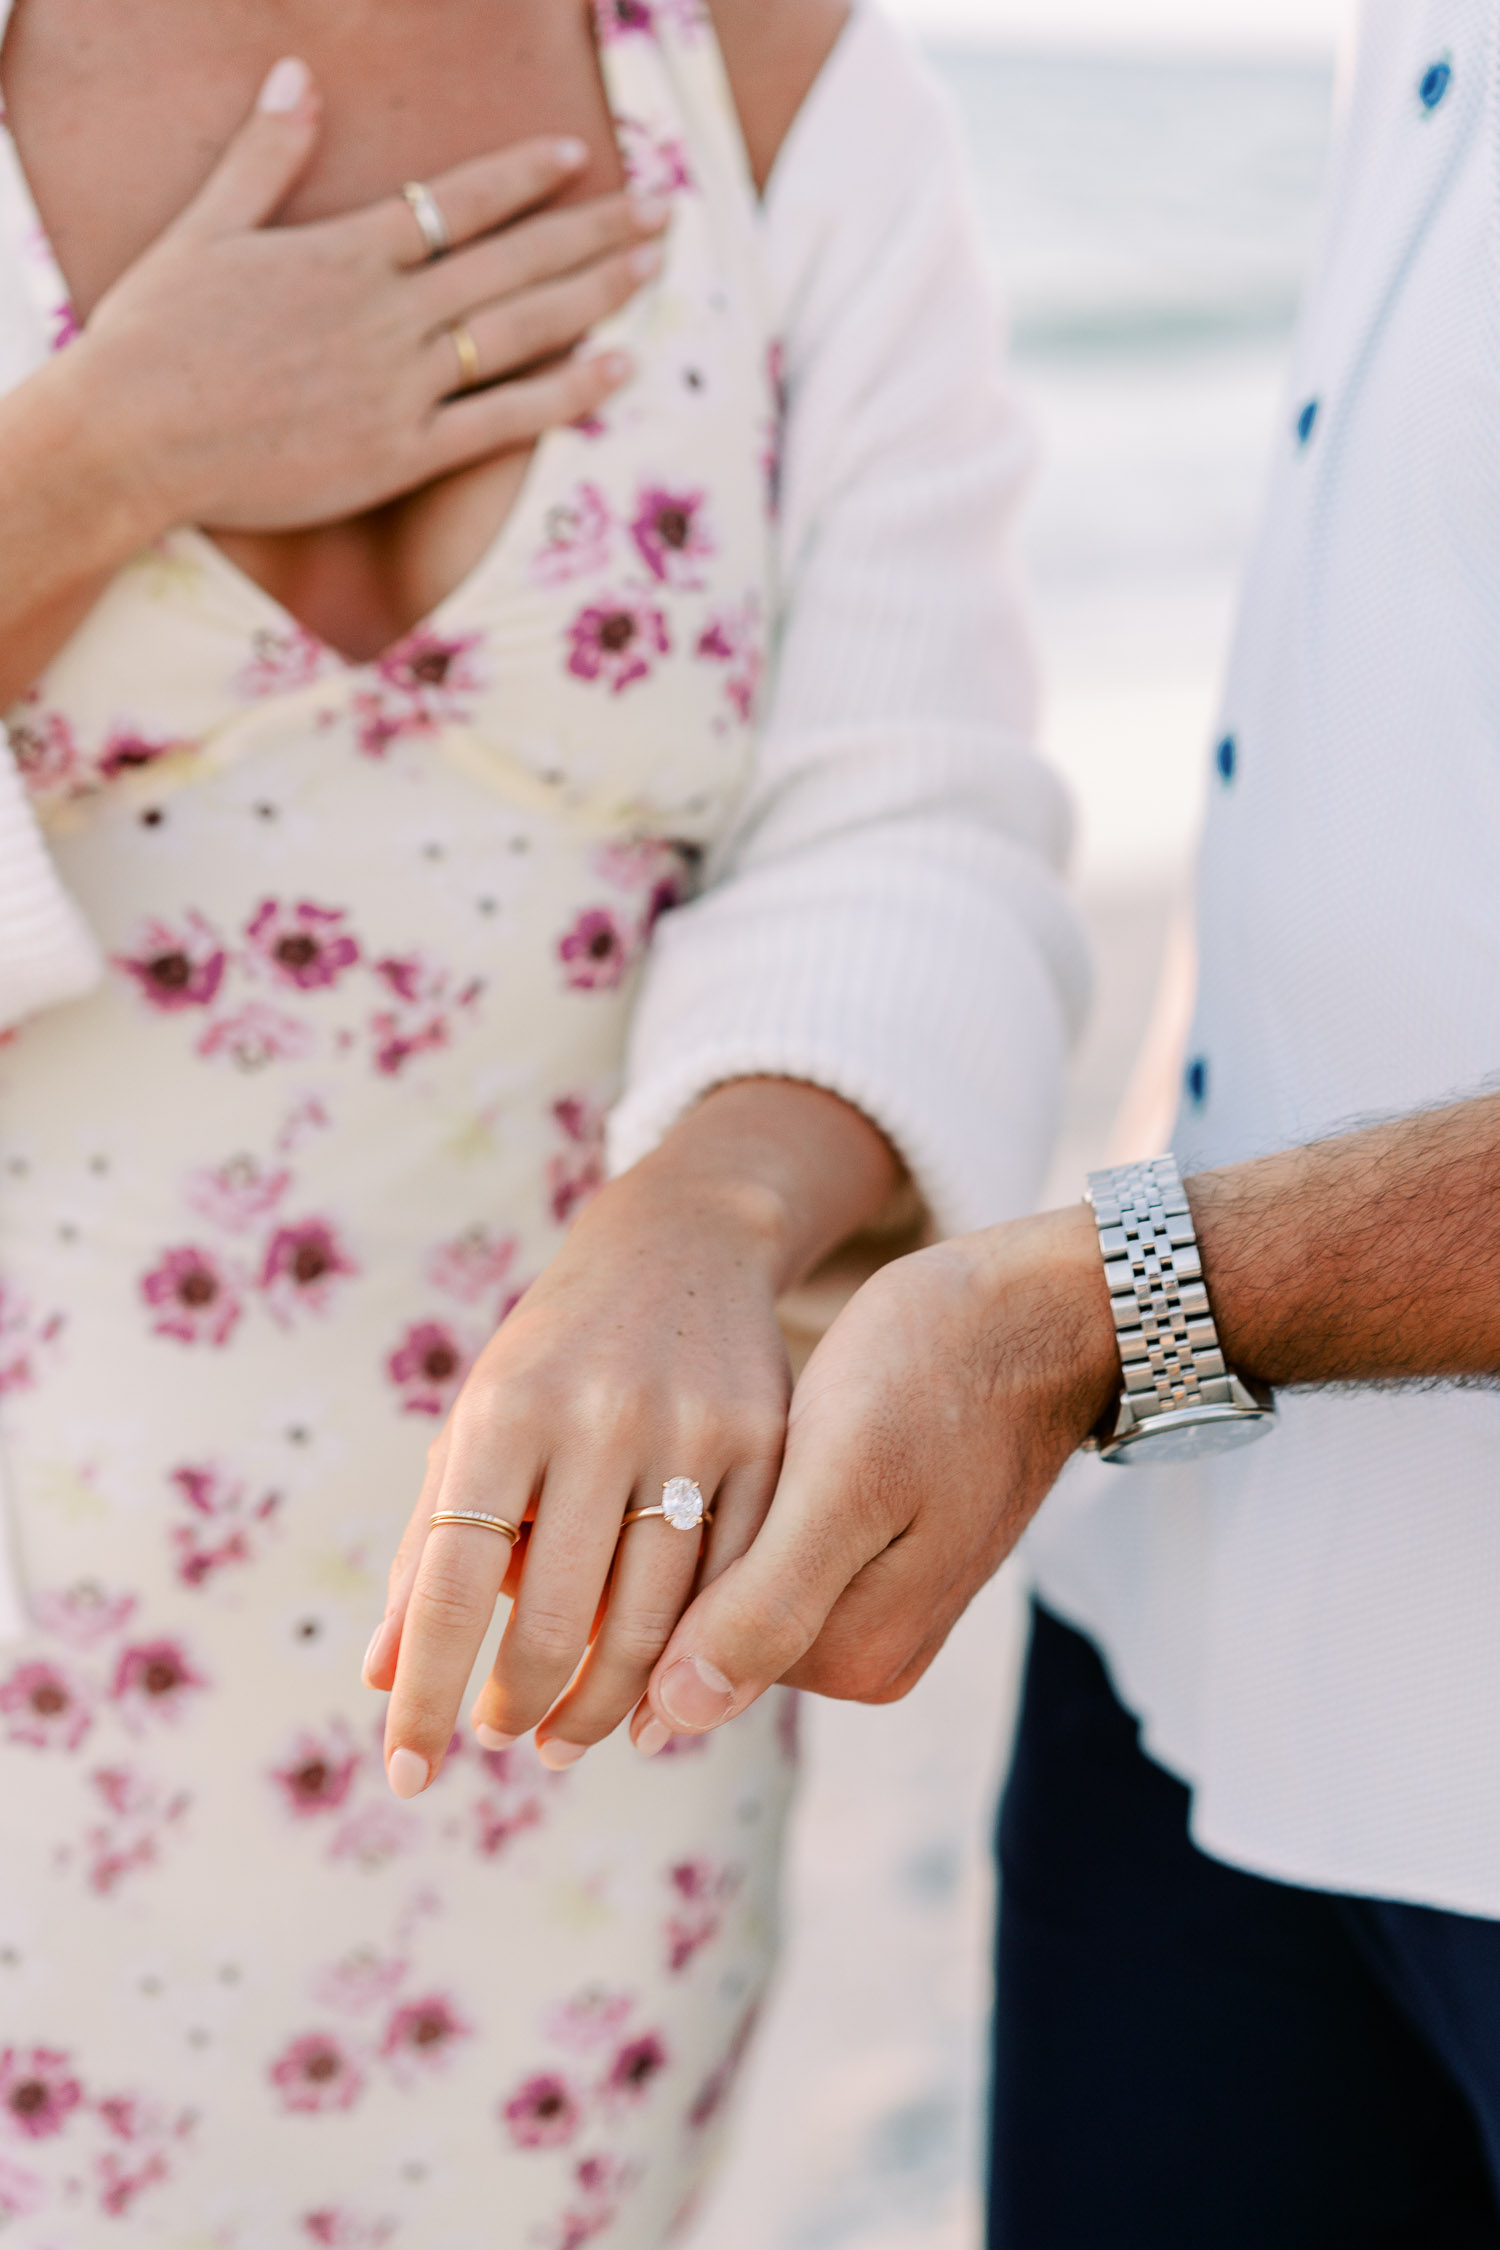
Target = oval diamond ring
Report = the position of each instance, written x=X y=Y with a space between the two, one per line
x=681 y=1506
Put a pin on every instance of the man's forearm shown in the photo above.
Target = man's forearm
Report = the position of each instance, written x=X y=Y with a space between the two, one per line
x=1371 y=1258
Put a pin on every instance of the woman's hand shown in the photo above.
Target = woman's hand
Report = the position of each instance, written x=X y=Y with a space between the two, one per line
x=265 y=378
x=929 y=1426
x=648 y=1350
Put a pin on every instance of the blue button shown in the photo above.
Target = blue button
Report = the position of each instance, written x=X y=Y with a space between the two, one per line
x=1224 y=757
x=1307 y=421
x=1197 y=1080
x=1436 y=84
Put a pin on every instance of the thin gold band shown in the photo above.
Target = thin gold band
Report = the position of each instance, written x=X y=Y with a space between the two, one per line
x=639 y=1515
x=486 y=1523
x=469 y=368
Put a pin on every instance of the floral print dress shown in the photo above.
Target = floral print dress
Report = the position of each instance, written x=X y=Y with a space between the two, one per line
x=373 y=931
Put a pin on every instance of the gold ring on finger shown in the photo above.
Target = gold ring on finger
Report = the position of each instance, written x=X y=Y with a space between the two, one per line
x=469 y=368
x=681 y=1506
x=474 y=1515
x=428 y=213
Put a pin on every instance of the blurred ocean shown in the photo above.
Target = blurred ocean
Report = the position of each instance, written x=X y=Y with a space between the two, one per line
x=1152 y=223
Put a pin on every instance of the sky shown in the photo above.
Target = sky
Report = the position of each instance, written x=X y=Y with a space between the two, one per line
x=1243 y=25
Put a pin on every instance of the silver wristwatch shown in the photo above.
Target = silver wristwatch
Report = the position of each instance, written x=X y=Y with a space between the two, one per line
x=1179 y=1401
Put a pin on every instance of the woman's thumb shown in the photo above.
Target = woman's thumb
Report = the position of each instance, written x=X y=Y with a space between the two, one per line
x=256 y=173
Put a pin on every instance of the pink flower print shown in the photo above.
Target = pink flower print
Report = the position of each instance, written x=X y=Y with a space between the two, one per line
x=436 y=673
x=720 y=2080
x=576 y=1173
x=590 y=2019
x=44 y=748
x=655 y=163
x=237 y=1194
x=514 y=1799
x=421 y=2036
x=422 y=1021
x=22 y=2193
x=141 y=1813
x=342 y=2230
x=66 y=326
x=361 y=1980
x=734 y=639
x=281 y=661
x=22 y=1337
x=428 y=1367
x=301 y=1266
x=372 y=1836
x=635 y=2069
x=544 y=2113
x=38 y=2092
x=256 y=1035
x=600 y=2183
x=379 y=721
x=616 y=19
x=43 y=1708
x=126 y=751
x=220 y=1520
x=473 y=1265
x=577 y=537
x=617 y=639
x=120 y=2183
x=318 y=1772
x=84 y=1614
x=597 y=951
x=153 y=1680
x=193 y=1297
x=177 y=968
x=315 y=2075
x=305 y=946
x=673 y=539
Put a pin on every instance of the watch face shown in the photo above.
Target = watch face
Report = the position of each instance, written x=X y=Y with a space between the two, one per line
x=1192 y=1436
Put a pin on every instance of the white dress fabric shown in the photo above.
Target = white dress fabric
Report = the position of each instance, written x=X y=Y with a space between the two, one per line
x=371 y=940
x=1309 y=1629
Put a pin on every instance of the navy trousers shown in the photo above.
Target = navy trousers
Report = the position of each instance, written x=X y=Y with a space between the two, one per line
x=1191 y=2058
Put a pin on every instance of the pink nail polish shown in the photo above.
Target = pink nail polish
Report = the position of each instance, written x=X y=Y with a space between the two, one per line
x=560 y=1754
x=490 y=1738
x=407 y=1773
x=653 y=1738
x=284 y=88
x=695 y=1694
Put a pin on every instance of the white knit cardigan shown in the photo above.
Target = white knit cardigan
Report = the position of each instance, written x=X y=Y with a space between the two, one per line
x=885 y=919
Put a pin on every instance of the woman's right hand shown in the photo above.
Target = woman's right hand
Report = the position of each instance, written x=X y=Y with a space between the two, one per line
x=256 y=377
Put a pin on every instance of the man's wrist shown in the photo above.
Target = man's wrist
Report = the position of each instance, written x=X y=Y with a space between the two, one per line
x=1042 y=1282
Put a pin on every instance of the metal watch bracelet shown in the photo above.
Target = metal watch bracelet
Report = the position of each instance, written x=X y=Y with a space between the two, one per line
x=1173 y=1366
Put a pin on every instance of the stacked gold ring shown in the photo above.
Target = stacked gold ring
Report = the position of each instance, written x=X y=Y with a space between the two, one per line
x=427 y=211
x=486 y=1523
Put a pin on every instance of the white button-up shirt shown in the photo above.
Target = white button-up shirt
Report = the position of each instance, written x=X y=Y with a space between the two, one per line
x=1310 y=1630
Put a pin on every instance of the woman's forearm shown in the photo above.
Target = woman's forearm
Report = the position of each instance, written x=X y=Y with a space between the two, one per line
x=72 y=510
x=796 y=1168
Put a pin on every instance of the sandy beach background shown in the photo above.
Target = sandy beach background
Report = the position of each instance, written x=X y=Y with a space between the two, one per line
x=1151 y=221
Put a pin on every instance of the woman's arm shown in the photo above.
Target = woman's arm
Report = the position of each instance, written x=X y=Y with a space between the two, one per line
x=257 y=377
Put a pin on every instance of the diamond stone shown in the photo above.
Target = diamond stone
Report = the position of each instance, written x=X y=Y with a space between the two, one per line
x=682 y=1504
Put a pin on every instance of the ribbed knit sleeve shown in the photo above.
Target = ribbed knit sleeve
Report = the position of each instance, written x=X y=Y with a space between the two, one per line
x=885 y=919
x=47 y=953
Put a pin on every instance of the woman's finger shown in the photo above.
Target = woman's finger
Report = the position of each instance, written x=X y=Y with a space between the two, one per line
x=557 y=1607
x=485 y=192
x=538 y=324
x=379 y=1669
x=656 y=1572
x=542 y=249
x=448 y=1613
x=256 y=172
x=471 y=428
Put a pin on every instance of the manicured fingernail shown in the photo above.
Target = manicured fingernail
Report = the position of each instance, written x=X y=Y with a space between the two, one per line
x=695 y=1694
x=284 y=87
x=646 y=261
x=560 y=1754
x=653 y=1738
x=651 y=211
x=490 y=1738
x=617 y=367
x=407 y=1773
x=375 y=1639
x=571 y=152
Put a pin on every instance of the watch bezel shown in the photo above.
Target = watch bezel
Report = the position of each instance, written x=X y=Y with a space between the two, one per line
x=1249 y=1413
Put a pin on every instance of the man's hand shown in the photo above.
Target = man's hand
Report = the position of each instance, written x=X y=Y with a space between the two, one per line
x=931 y=1423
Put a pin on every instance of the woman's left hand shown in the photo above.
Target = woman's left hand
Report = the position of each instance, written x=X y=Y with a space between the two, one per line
x=649 y=1349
